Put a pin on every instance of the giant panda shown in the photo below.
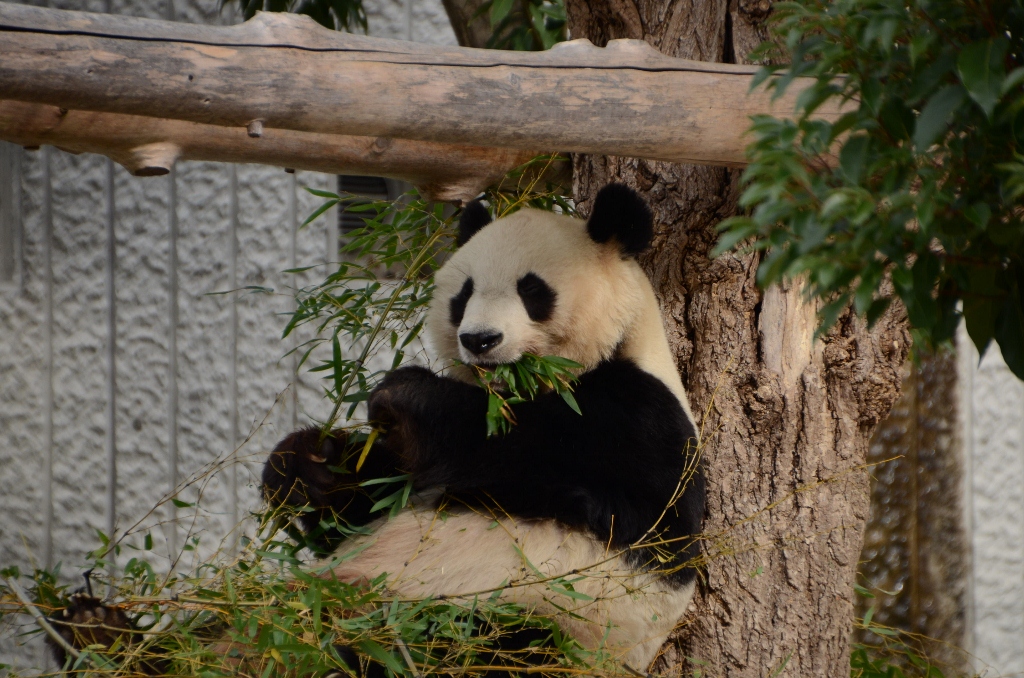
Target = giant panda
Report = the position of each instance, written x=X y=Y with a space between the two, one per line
x=571 y=493
x=612 y=497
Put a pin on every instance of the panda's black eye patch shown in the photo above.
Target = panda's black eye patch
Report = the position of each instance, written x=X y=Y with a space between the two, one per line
x=537 y=296
x=457 y=306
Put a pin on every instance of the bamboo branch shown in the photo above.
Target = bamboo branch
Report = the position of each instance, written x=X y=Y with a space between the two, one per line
x=150 y=146
x=287 y=72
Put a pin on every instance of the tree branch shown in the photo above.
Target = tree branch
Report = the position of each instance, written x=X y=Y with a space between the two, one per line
x=150 y=146
x=287 y=72
x=469 y=31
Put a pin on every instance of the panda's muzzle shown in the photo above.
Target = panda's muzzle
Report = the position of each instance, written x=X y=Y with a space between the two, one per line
x=479 y=343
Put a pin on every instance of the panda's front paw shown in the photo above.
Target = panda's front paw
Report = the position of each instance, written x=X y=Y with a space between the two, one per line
x=395 y=407
x=305 y=469
x=402 y=392
x=409 y=377
x=87 y=621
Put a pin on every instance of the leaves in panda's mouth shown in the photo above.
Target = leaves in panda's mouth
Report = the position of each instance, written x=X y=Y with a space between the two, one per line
x=508 y=384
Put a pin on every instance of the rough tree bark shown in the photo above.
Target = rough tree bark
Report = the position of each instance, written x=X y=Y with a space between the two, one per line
x=148 y=146
x=788 y=419
x=472 y=28
x=279 y=71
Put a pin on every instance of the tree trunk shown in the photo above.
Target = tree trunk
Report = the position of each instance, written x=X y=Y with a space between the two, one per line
x=787 y=418
x=472 y=28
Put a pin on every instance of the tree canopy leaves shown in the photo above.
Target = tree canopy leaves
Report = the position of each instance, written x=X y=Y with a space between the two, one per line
x=525 y=25
x=915 y=193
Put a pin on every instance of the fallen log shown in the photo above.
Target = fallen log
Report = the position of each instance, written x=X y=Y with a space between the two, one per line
x=282 y=71
x=150 y=146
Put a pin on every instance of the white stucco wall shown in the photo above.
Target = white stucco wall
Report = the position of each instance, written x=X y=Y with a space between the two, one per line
x=183 y=394
x=416 y=20
x=992 y=411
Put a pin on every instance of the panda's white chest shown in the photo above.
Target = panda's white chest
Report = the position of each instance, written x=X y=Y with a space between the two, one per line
x=429 y=554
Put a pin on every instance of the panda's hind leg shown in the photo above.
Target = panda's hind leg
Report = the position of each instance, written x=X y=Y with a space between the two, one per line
x=85 y=622
x=497 y=652
x=513 y=648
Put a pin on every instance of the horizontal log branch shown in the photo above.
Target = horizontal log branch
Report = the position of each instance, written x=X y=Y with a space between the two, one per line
x=283 y=71
x=150 y=146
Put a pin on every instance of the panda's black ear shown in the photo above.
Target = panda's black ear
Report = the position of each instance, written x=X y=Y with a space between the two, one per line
x=474 y=217
x=620 y=213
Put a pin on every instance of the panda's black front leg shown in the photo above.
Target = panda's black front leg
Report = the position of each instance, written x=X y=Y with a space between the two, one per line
x=428 y=422
x=316 y=472
x=612 y=471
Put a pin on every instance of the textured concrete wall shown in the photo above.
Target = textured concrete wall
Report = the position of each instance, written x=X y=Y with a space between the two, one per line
x=416 y=20
x=88 y=443
x=992 y=410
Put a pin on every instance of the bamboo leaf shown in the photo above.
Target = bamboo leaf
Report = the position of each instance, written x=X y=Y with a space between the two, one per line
x=571 y=401
x=366 y=448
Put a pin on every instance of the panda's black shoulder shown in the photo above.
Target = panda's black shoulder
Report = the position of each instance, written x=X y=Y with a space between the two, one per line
x=623 y=373
x=624 y=376
x=621 y=385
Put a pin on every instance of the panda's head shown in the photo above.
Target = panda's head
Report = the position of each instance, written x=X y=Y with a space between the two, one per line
x=543 y=283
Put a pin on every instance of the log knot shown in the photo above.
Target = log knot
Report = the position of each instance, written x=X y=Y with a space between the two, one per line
x=150 y=160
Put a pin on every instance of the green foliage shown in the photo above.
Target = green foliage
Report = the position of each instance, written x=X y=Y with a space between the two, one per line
x=926 y=190
x=892 y=653
x=896 y=655
x=283 y=618
x=523 y=380
x=525 y=25
x=867 y=662
x=341 y=15
x=377 y=296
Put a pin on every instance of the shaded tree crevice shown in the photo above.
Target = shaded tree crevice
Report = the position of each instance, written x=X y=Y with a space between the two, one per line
x=729 y=48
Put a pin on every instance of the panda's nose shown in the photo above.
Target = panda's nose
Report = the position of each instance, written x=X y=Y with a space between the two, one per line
x=480 y=342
